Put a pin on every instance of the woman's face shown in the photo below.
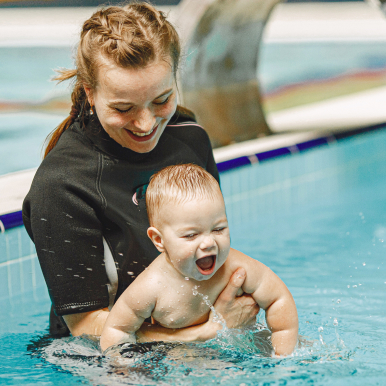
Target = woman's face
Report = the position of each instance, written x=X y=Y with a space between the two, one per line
x=134 y=105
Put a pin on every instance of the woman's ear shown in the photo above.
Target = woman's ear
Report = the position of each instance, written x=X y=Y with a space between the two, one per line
x=89 y=94
x=156 y=237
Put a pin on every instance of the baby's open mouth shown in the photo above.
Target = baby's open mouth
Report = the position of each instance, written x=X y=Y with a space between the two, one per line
x=206 y=264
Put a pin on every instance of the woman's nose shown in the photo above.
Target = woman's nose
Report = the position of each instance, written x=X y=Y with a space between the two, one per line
x=144 y=120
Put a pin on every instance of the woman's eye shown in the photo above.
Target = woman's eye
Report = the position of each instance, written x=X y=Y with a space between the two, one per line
x=163 y=102
x=123 y=111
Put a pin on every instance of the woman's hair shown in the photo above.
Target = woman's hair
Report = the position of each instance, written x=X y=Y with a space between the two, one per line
x=131 y=36
x=179 y=184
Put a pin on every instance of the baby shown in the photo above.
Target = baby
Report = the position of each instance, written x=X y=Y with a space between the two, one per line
x=188 y=226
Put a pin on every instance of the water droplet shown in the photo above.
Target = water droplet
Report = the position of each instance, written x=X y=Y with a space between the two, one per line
x=178 y=292
x=89 y=269
x=320 y=329
x=364 y=264
x=335 y=321
x=43 y=219
x=67 y=241
x=195 y=292
x=348 y=286
x=186 y=278
x=130 y=273
x=354 y=286
x=120 y=254
x=69 y=269
x=338 y=301
x=182 y=286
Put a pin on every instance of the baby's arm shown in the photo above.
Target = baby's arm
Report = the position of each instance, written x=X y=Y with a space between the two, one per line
x=128 y=314
x=274 y=297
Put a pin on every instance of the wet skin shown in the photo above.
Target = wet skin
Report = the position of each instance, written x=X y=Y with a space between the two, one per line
x=194 y=236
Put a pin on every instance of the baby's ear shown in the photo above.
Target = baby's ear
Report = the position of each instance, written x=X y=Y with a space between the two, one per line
x=156 y=237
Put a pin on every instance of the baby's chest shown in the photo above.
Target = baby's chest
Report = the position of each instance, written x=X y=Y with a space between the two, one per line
x=183 y=309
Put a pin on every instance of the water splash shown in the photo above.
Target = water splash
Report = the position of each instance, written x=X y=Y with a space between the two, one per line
x=241 y=340
x=217 y=316
x=233 y=357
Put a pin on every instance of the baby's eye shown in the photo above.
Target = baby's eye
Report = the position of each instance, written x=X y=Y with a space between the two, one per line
x=218 y=230
x=190 y=236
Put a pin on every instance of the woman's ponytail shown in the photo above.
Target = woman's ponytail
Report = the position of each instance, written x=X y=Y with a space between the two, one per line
x=78 y=98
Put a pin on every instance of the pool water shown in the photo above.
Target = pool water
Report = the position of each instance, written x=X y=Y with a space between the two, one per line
x=318 y=219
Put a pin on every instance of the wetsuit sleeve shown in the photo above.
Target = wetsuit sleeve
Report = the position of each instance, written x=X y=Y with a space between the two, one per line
x=59 y=216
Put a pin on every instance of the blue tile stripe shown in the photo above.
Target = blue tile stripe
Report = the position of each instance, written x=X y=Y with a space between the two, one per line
x=11 y=220
x=273 y=153
x=300 y=147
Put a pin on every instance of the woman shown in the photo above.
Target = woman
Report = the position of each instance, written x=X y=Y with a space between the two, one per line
x=86 y=211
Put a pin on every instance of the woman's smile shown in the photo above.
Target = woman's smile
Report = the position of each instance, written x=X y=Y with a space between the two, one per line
x=142 y=136
x=134 y=106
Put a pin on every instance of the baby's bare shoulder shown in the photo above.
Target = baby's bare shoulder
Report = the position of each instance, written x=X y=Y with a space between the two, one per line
x=254 y=269
x=150 y=280
x=237 y=259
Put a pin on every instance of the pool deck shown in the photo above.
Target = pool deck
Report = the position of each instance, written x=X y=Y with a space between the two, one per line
x=288 y=22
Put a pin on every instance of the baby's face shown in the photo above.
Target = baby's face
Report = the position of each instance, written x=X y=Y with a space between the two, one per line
x=196 y=236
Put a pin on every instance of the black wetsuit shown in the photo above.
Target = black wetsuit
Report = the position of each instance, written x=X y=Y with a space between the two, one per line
x=86 y=210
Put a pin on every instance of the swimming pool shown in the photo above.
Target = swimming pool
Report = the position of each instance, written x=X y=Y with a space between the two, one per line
x=317 y=218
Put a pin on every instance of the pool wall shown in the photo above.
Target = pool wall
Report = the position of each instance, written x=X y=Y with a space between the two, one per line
x=278 y=173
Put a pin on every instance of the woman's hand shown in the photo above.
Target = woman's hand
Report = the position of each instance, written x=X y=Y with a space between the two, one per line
x=237 y=311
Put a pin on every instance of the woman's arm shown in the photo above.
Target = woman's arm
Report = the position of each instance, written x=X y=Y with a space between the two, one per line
x=90 y=323
x=236 y=311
